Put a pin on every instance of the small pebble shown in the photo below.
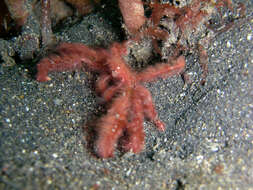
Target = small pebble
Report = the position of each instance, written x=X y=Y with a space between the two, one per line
x=249 y=37
x=228 y=44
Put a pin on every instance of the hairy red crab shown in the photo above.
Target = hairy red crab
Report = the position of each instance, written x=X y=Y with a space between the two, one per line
x=180 y=29
x=118 y=84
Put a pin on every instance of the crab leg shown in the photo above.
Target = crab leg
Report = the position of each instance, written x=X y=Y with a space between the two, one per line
x=69 y=57
x=110 y=127
x=149 y=108
x=134 y=129
x=162 y=70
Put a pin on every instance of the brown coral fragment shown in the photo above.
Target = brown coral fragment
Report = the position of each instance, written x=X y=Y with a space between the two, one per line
x=18 y=10
x=46 y=29
x=5 y=19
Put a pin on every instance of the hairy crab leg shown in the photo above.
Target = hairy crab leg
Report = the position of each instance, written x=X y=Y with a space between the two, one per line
x=102 y=87
x=69 y=57
x=134 y=129
x=110 y=127
x=102 y=82
x=149 y=108
x=162 y=70
x=110 y=92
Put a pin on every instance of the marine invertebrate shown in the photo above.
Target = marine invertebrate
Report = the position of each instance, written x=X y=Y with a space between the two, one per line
x=174 y=32
x=118 y=84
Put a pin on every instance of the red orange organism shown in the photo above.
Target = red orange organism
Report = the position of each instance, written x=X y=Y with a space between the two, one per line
x=173 y=30
x=118 y=84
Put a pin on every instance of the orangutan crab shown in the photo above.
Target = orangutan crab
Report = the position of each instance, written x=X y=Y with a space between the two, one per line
x=118 y=84
x=178 y=28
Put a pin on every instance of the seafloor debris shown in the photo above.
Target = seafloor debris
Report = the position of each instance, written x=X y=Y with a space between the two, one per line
x=23 y=20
